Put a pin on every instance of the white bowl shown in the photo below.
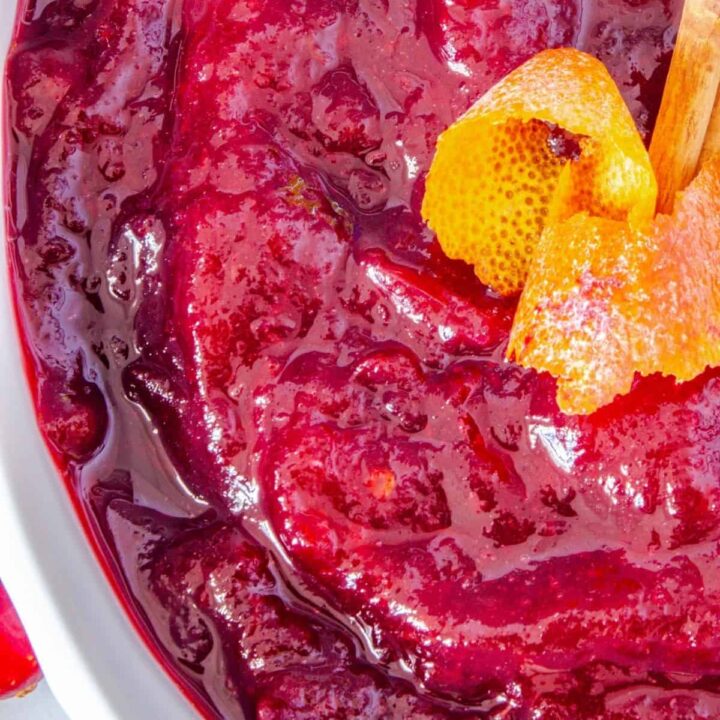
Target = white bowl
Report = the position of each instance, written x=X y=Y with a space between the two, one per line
x=95 y=664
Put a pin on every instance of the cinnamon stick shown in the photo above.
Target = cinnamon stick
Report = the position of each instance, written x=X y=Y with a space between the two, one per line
x=688 y=100
x=711 y=146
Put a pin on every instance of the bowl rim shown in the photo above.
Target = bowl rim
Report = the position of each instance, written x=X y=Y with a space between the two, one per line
x=59 y=588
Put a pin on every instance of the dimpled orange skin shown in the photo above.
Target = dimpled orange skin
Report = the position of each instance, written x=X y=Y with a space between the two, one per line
x=605 y=300
x=495 y=183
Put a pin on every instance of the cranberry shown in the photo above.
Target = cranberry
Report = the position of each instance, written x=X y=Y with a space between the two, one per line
x=74 y=416
x=19 y=670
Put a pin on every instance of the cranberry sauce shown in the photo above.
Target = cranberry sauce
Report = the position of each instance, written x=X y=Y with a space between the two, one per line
x=286 y=415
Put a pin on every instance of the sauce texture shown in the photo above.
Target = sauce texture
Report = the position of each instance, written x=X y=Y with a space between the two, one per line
x=285 y=415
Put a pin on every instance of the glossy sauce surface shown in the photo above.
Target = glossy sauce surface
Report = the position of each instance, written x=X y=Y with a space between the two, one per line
x=286 y=415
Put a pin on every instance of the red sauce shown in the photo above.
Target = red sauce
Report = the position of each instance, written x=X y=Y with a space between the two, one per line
x=286 y=415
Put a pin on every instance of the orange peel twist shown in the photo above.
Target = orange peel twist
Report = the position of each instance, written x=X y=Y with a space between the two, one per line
x=503 y=172
x=604 y=300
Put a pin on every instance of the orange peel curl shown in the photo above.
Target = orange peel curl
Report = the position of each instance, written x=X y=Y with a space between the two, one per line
x=604 y=300
x=552 y=139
